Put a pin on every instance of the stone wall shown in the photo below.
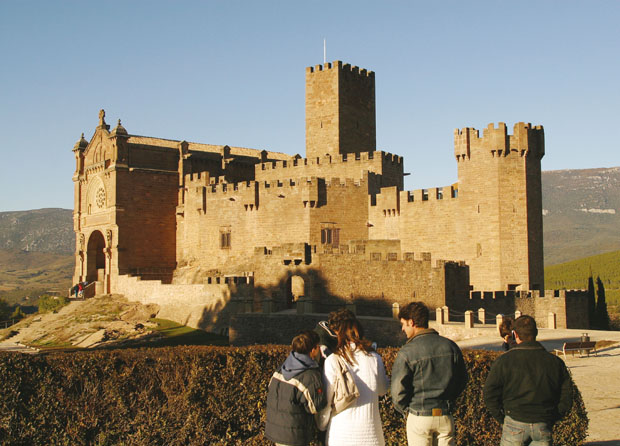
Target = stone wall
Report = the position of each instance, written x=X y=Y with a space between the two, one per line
x=372 y=274
x=267 y=214
x=206 y=306
x=570 y=307
x=145 y=215
x=389 y=279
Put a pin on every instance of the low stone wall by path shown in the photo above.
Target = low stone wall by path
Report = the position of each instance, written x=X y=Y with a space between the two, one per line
x=205 y=306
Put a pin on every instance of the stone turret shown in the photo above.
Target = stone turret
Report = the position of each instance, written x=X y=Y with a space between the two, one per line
x=499 y=181
x=340 y=110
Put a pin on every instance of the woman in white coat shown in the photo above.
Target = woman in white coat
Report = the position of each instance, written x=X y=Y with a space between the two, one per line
x=360 y=423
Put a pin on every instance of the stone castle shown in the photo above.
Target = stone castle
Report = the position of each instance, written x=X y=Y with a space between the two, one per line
x=204 y=230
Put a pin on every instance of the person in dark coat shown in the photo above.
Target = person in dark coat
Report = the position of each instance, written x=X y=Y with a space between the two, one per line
x=296 y=394
x=528 y=389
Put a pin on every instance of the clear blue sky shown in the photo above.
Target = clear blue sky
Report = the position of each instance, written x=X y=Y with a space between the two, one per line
x=232 y=72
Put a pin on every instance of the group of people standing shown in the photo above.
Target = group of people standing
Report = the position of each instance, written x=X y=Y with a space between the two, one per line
x=333 y=378
x=78 y=289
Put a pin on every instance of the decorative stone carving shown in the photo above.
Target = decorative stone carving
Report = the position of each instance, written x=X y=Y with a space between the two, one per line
x=100 y=197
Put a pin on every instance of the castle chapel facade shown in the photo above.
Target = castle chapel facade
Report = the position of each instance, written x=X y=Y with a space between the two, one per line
x=335 y=225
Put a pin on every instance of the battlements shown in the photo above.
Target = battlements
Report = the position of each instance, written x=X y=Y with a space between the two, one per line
x=345 y=68
x=525 y=294
x=248 y=192
x=285 y=251
x=346 y=165
x=327 y=159
x=391 y=198
x=432 y=194
x=525 y=140
x=551 y=308
x=395 y=258
x=199 y=179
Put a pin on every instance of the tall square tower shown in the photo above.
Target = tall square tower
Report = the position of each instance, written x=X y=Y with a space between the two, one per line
x=340 y=110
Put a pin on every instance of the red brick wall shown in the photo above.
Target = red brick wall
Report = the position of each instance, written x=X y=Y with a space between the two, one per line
x=146 y=204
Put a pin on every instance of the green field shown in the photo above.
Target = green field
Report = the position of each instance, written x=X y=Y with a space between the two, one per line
x=575 y=274
x=176 y=334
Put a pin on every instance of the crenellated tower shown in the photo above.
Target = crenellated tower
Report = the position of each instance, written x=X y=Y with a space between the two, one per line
x=340 y=110
x=501 y=203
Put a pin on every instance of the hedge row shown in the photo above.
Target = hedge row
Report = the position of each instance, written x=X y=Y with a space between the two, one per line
x=191 y=396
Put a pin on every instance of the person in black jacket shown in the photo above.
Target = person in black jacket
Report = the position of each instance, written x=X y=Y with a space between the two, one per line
x=296 y=394
x=528 y=389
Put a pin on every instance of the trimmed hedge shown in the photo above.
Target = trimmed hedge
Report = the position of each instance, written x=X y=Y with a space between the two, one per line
x=191 y=396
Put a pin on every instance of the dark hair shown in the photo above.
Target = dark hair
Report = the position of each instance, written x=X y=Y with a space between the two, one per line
x=525 y=327
x=505 y=328
x=336 y=318
x=305 y=342
x=416 y=312
x=351 y=331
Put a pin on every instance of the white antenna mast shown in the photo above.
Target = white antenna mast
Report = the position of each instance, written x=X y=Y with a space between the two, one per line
x=324 y=52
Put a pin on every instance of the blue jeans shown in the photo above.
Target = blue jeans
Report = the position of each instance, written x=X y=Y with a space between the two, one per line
x=516 y=433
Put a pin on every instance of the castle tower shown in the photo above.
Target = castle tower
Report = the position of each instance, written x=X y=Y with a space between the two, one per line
x=501 y=205
x=340 y=110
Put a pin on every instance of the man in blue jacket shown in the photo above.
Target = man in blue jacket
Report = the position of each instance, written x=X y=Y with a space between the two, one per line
x=296 y=394
x=428 y=375
x=528 y=389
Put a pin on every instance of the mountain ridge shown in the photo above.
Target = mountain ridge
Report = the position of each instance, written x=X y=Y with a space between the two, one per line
x=581 y=213
x=38 y=230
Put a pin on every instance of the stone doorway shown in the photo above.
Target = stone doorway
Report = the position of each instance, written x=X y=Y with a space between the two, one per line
x=95 y=257
x=295 y=287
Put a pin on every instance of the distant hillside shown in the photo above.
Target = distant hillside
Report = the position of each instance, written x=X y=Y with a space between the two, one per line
x=24 y=273
x=581 y=213
x=42 y=230
x=575 y=274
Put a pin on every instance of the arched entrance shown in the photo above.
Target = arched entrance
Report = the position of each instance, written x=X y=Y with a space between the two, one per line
x=95 y=257
x=294 y=290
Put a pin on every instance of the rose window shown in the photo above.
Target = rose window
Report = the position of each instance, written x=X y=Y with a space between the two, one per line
x=100 y=197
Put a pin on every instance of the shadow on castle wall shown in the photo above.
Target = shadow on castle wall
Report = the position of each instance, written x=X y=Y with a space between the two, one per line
x=311 y=289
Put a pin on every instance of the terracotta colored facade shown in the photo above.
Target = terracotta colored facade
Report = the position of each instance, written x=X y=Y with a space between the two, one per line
x=188 y=214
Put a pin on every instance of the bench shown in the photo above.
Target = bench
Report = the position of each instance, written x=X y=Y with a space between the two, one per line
x=573 y=347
